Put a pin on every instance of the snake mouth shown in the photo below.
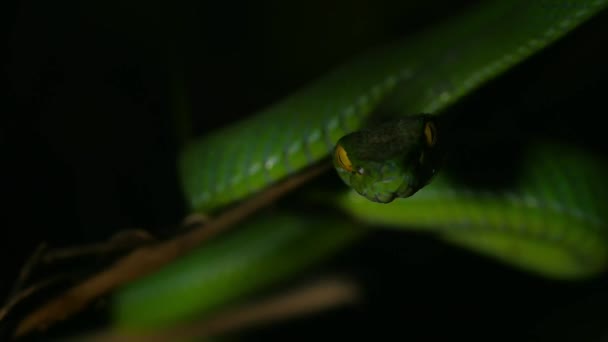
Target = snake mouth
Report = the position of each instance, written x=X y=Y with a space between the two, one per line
x=378 y=197
x=389 y=197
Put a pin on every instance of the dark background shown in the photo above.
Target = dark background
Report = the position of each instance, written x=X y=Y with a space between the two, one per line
x=89 y=145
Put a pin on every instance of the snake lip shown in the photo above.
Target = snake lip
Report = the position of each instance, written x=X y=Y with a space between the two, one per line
x=387 y=200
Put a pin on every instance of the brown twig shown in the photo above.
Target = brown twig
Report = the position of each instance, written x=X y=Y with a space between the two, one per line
x=43 y=255
x=150 y=258
x=320 y=295
x=124 y=240
x=17 y=294
x=27 y=269
x=25 y=293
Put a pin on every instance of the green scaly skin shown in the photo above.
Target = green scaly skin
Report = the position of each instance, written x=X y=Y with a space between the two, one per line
x=551 y=222
x=424 y=74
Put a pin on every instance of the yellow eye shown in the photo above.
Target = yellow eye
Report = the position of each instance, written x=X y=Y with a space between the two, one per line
x=342 y=159
x=430 y=133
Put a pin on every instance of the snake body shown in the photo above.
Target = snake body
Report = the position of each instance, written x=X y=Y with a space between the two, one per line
x=552 y=221
x=424 y=73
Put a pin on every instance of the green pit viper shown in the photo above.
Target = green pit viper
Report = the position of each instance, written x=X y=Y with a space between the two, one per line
x=551 y=222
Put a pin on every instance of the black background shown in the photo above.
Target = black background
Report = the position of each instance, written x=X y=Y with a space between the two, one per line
x=89 y=145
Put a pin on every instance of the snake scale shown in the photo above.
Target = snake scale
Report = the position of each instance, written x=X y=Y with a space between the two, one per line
x=552 y=222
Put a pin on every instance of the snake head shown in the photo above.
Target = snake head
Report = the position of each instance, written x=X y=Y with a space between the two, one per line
x=395 y=159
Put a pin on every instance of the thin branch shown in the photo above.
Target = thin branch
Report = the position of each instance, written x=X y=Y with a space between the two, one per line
x=322 y=295
x=27 y=269
x=148 y=259
x=17 y=294
x=23 y=294
x=121 y=241
x=125 y=240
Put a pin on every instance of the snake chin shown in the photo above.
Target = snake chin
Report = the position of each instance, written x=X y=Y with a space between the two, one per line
x=383 y=198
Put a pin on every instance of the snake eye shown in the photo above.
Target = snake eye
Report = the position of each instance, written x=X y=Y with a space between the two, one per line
x=342 y=160
x=430 y=133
